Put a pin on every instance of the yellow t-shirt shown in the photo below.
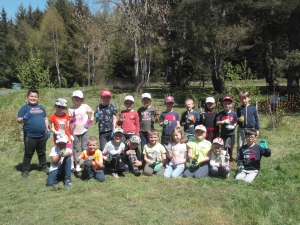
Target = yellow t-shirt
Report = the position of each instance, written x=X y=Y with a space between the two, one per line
x=199 y=149
x=154 y=153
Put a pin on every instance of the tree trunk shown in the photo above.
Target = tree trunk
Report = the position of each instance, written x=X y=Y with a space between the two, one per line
x=218 y=73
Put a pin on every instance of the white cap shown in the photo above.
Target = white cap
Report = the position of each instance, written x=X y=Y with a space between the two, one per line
x=78 y=94
x=118 y=130
x=210 y=99
x=135 y=139
x=200 y=127
x=129 y=97
x=61 y=102
x=146 y=95
x=61 y=138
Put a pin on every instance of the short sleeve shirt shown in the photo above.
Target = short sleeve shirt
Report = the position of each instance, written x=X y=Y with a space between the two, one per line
x=106 y=113
x=172 y=118
x=146 y=116
x=154 y=152
x=81 y=115
x=111 y=149
x=54 y=152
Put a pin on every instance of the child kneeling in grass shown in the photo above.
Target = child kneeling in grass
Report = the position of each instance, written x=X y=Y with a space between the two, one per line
x=249 y=156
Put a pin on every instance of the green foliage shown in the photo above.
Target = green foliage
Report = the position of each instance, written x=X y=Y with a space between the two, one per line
x=31 y=72
x=238 y=72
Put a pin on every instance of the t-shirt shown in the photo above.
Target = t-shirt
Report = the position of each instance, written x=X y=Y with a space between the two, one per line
x=35 y=126
x=232 y=116
x=154 y=152
x=111 y=149
x=131 y=124
x=81 y=115
x=178 y=152
x=106 y=113
x=215 y=160
x=172 y=118
x=55 y=119
x=54 y=152
x=199 y=148
x=147 y=118
x=97 y=155
x=190 y=124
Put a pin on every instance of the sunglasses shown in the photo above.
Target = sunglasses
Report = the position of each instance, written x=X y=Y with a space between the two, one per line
x=60 y=107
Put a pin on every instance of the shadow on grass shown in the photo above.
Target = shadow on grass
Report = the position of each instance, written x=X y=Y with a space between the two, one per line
x=32 y=167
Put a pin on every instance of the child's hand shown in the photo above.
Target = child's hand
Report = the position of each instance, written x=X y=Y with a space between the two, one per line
x=81 y=162
x=241 y=119
x=176 y=162
x=88 y=123
x=227 y=121
x=26 y=116
x=63 y=153
x=227 y=156
x=72 y=120
x=230 y=127
x=158 y=167
x=122 y=118
x=91 y=158
x=166 y=122
x=156 y=112
x=97 y=116
x=194 y=162
x=48 y=134
x=241 y=168
x=263 y=144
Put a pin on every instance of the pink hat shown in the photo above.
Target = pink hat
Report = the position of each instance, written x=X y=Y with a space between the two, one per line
x=218 y=141
x=105 y=93
x=169 y=99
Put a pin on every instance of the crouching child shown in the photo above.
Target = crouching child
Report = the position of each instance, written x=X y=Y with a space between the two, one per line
x=132 y=155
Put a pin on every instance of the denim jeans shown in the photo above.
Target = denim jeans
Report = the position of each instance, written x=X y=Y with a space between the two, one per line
x=173 y=171
x=61 y=174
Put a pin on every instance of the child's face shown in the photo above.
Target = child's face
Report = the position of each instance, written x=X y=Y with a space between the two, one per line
x=128 y=104
x=153 y=139
x=92 y=146
x=61 y=145
x=217 y=148
x=250 y=139
x=33 y=98
x=210 y=106
x=59 y=108
x=76 y=100
x=118 y=137
x=200 y=135
x=105 y=100
x=177 y=137
x=227 y=105
x=146 y=102
x=132 y=145
x=189 y=105
x=244 y=100
x=169 y=105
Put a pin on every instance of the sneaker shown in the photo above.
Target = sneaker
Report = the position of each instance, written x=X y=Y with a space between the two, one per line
x=73 y=170
x=136 y=172
x=115 y=175
x=25 y=174
x=67 y=183
x=78 y=169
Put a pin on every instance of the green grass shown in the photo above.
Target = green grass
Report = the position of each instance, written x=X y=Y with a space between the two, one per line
x=271 y=199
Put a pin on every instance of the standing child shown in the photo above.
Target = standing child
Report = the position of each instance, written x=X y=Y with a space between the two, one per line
x=198 y=154
x=129 y=119
x=247 y=117
x=132 y=157
x=249 y=157
x=114 y=152
x=219 y=159
x=154 y=155
x=92 y=162
x=208 y=119
x=169 y=119
x=176 y=153
x=36 y=131
x=190 y=119
x=227 y=119
x=60 y=167
x=79 y=123
x=148 y=116
x=105 y=115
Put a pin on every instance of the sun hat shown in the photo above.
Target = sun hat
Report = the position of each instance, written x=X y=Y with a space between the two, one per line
x=61 y=138
x=105 y=93
x=200 y=127
x=78 y=94
x=210 y=100
x=227 y=98
x=118 y=130
x=146 y=95
x=129 y=97
x=169 y=99
x=61 y=102
x=218 y=141
x=135 y=139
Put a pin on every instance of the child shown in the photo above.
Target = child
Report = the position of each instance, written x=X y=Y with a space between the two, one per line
x=129 y=119
x=169 y=119
x=36 y=131
x=79 y=123
x=148 y=115
x=176 y=153
x=208 y=119
x=154 y=155
x=189 y=119
x=92 y=162
x=198 y=154
x=250 y=155
x=247 y=117
x=132 y=154
x=219 y=159
x=60 y=167
x=113 y=152
x=227 y=119
x=105 y=115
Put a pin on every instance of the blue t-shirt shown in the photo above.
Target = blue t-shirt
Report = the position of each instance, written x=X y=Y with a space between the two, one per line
x=232 y=116
x=172 y=118
x=35 y=126
x=105 y=121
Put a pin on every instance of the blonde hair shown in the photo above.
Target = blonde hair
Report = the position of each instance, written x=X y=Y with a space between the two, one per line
x=153 y=131
x=93 y=139
x=244 y=94
x=181 y=132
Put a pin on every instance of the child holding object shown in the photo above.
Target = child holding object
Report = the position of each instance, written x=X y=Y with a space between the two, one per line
x=79 y=123
x=176 y=152
x=132 y=155
x=249 y=157
x=219 y=159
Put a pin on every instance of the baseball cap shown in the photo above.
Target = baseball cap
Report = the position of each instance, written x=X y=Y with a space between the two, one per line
x=78 y=94
x=210 y=99
x=61 y=102
x=61 y=138
x=169 y=99
x=218 y=141
x=146 y=95
x=200 y=127
x=105 y=93
x=118 y=130
x=129 y=97
x=135 y=139
x=227 y=98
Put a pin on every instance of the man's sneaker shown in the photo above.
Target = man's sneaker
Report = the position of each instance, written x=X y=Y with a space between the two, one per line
x=73 y=170
x=45 y=170
x=78 y=169
x=136 y=172
x=25 y=174
x=67 y=183
x=115 y=175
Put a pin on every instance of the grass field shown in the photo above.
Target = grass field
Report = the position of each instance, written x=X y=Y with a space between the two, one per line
x=271 y=199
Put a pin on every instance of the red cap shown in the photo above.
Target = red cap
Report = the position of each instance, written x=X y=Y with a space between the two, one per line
x=227 y=98
x=105 y=93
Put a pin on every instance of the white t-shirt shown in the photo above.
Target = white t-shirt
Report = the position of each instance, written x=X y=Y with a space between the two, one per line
x=81 y=115
x=54 y=152
x=110 y=148
x=178 y=152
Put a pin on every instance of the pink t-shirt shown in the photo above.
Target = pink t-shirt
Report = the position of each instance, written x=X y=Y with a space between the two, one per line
x=81 y=115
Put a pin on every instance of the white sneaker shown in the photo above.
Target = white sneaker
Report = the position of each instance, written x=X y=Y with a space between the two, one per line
x=115 y=175
x=78 y=169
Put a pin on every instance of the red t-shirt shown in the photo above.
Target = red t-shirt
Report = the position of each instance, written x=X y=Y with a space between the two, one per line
x=55 y=119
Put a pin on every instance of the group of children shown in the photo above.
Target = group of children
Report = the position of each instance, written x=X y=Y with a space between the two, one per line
x=194 y=137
